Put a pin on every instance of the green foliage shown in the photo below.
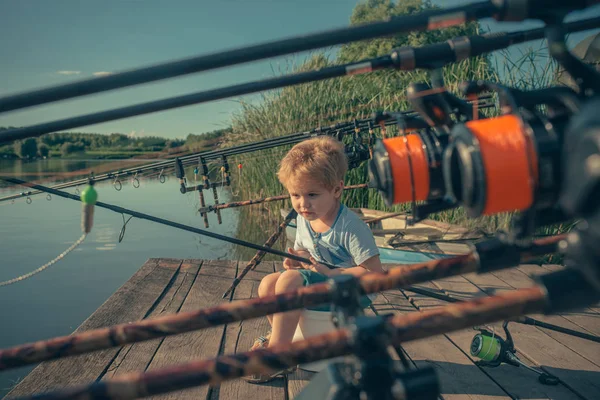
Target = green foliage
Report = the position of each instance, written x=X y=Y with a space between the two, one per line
x=43 y=150
x=70 y=148
x=378 y=10
x=94 y=144
x=26 y=148
x=205 y=141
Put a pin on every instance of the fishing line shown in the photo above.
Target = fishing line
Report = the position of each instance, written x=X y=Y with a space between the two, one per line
x=122 y=233
x=43 y=267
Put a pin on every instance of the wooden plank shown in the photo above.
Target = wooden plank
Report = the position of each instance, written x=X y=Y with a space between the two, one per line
x=459 y=377
x=133 y=301
x=137 y=356
x=534 y=348
x=240 y=336
x=585 y=318
x=213 y=279
x=517 y=279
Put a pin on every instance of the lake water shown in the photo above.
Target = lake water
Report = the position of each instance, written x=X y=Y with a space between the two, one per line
x=56 y=301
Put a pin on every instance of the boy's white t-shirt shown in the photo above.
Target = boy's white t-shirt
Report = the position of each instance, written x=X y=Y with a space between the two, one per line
x=348 y=243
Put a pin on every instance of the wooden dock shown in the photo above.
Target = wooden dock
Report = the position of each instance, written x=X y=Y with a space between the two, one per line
x=165 y=286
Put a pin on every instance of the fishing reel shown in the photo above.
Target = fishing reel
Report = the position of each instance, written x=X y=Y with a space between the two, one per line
x=512 y=162
x=408 y=168
x=493 y=351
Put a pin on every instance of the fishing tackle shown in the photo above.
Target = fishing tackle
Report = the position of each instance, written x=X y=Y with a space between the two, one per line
x=207 y=185
x=493 y=351
x=408 y=168
x=116 y=182
x=122 y=232
x=162 y=177
x=357 y=150
x=180 y=174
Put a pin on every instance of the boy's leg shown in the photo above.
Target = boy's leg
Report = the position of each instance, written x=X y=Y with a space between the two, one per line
x=284 y=324
x=267 y=288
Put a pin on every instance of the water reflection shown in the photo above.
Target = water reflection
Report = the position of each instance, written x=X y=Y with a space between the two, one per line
x=59 y=299
x=260 y=222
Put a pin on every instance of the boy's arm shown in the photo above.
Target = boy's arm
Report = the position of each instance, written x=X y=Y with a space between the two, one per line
x=372 y=264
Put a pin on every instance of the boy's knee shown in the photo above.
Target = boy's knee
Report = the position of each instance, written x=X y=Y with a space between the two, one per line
x=291 y=279
x=267 y=284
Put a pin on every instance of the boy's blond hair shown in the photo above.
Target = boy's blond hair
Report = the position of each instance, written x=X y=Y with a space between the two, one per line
x=322 y=159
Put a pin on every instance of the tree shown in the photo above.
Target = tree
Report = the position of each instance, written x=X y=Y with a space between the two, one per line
x=43 y=150
x=70 y=148
x=379 y=10
x=26 y=148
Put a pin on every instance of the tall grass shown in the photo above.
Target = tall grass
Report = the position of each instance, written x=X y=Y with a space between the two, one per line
x=323 y=103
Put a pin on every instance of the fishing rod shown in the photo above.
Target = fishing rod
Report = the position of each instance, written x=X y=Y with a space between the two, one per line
x=501 y=10
x=166 y=222
x=554 y=292
x=191 y=159
x=357 y=151
x=487 y=256
x=405 y=58
x=168 y=163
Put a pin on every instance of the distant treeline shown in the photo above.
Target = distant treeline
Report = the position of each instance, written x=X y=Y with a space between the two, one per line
x=101 y=145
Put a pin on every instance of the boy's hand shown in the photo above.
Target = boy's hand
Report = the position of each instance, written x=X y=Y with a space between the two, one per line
x=319 y=268
x=291 y=264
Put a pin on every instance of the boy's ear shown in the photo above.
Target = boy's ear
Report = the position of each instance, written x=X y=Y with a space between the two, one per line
x=338 y=189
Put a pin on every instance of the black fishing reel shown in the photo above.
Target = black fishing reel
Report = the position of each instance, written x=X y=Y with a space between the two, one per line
x=581 y=191
x=493 y=351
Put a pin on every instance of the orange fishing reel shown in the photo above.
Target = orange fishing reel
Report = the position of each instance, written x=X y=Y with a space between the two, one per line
x=511 y=162
x=408 y=168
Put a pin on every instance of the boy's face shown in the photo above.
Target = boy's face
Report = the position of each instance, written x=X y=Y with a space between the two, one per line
x=313 y=200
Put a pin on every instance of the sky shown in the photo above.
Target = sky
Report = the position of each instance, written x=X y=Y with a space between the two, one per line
x=52 y=42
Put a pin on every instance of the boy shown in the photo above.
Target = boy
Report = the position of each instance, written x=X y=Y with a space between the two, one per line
x=313 y=173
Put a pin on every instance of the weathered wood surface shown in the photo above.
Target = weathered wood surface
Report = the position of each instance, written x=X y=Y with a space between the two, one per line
x=239 y=337
x=164 y=286
x=212 y=281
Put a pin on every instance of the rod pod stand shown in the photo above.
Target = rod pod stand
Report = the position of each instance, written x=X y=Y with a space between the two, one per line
x=207 y=186
x=371 y=373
